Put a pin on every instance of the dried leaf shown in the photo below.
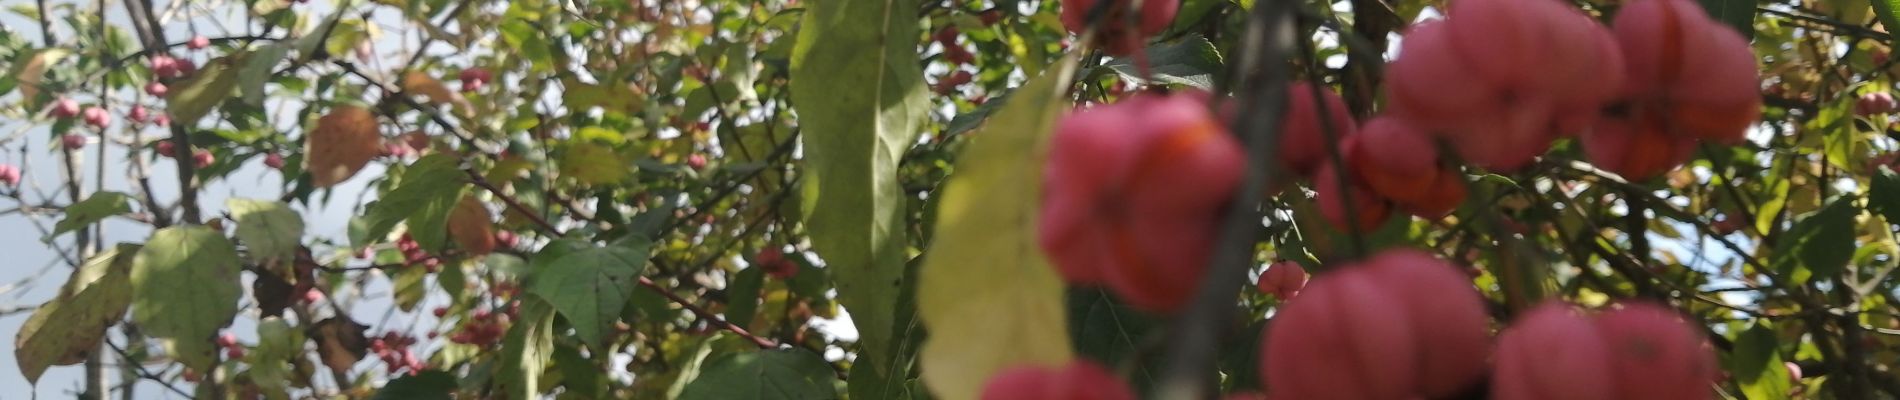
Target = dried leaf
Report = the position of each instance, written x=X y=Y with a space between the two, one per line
x=420 y=83
x=472 y=227
x=342 y=143
x=340 y=343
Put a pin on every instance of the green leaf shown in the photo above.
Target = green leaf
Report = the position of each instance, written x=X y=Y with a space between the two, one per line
x=526 y=350
x=184 y=287
x=590 y=286
x=1192 y=62
x=1111 y=332
x=268 y=228
x=428 y=190
x=409 y=287
x=277 y=345
x=428 y=385
x=192 y=99
x=578 y=374
x=858 y=88
x=257 y=71
x=1757 y=363
x=985 y=243
x=93 y=209
x=1823 y=242
x=767 y=374
x=1738 y=14
x=1884 y=194
x=1885 y=10
x=69 y=327
x=742 y=298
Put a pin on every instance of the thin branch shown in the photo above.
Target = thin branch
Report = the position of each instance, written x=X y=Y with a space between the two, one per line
x=1261 y=82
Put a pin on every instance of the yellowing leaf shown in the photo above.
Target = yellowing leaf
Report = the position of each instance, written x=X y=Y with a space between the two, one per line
x=31 y=72
x=196 y=96
x=472 y=227
x=986 y=293
x=593 y=164
x=341 y=144
x=68 y=328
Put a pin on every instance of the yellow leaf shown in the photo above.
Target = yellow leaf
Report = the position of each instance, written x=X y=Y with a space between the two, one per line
x=593 y=164
x=986 y=292
x=204 y=90
x=31 y=72
x=341 y=144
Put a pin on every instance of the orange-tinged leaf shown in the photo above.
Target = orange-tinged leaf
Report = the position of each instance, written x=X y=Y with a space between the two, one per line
x=420 y=83
x=342 y=143
x=472 y=227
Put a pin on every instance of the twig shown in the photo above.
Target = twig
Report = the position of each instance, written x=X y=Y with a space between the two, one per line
x=1261 y=85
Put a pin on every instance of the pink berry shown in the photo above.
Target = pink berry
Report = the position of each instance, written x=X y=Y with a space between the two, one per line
x=162 y=120
x=1133 y=196
x=166 y=67
x=198 y=42
x=1344 y=337
x=507 y=239
x=65 y=108
x=440 y=311
x=1794 y=371
x=1447 y=315
x=227 y=340
x=234 y=353
x=137 y=114
x=1875 y=103
x=156 y=89
x=97 y=117
x=1283 y=280
x=1113 y=30
x=9 y=175
x=1656 y=355
x=1552 y=352
x=312 y=295
x=73 y=141
x=1080 y=380
x=1367 y=211
x=164 y=148
x=477 y=74
x=274 y=161
x=1303 y=138
x=1688 y=68
x=202 y=158
x=696 y=161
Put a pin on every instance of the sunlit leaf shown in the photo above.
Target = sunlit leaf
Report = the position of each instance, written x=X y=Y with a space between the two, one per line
x=93 y=209
x=589 y=286
x=270 y=230
x=184 y=288
x=859 y=92
x=985 y=243
x=69 y=327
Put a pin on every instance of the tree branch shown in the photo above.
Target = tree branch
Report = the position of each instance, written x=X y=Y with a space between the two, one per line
x=1261 y=82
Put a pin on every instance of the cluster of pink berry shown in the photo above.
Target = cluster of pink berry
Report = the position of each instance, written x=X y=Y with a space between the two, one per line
x=774 y=263
x=1406 y=325
x=394 y=349
x=232 y=349
x=199 y=157
x=413 y=254
x=484 y=327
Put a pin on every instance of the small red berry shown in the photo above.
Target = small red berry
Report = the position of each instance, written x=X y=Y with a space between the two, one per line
x=97 y=117
x=65 y=108
x=156 y=89
x=696 y=161
x=198 y=42
x=507 y=239
x=227 y=340
x=162 y=120
x=9 y=175
x=234 y=353
x=440 y=311
x=274 y=160
x=202 y=158
x=73 y=141
x=164 y=148
x=138 y=114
